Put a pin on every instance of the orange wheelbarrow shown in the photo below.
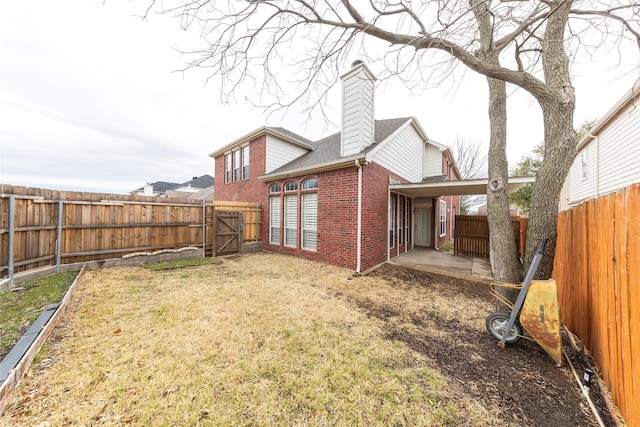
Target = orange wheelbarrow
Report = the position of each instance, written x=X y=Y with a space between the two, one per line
x=535 y=310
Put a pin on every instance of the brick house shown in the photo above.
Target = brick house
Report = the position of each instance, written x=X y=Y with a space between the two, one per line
x=341 y=200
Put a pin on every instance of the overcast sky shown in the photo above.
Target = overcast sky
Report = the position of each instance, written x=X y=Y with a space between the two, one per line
x=90 y=101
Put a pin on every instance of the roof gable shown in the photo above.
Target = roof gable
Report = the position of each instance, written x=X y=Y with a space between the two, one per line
x=282 y=133
x=327 y=150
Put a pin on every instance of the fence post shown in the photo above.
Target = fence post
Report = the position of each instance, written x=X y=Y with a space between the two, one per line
x=12 y=230
x=59 y=237
x=204 y=227
x=257 y=221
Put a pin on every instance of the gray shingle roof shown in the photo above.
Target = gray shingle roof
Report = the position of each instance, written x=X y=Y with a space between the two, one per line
x=203 y=181
x=328 y=149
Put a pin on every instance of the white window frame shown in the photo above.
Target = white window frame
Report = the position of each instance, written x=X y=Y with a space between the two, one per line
x=310 y=221
x=584 y=161
x=443 y=218
x=236 y=165
x=274 y=219
x=291 y=220
x=401 y=202
x=245 y=162
x=392 y=221
x=227 y=167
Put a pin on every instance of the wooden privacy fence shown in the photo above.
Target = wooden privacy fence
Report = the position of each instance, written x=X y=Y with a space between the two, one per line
x=597 y=268
x=42 y=228
x=471 y=236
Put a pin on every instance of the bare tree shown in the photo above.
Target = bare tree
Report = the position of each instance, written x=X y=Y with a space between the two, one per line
x=471 y=160
x=311 y=41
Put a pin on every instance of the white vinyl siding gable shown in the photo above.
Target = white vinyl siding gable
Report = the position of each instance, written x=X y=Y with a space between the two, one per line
x=402 y=154
x=583 y=187
x=613 y=158
x=279 y=153
x=432 y=164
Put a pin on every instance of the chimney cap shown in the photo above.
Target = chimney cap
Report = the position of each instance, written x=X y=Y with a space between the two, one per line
x=356 y=63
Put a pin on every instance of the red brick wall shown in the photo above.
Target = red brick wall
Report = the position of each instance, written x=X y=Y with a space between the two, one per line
x=337 y=210
x=375 y=222
x=337 y=219
x=248 y=190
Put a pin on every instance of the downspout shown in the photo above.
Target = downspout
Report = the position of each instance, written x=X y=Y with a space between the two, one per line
x=359 y=227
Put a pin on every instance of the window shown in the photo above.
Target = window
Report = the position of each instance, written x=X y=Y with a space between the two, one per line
x=443 y=218
x=400 y=219
x=309 y=221
x=583 y=160
x=236 y=165
x=309 y=215
x=392 y=220
x=227 y=167
x=245 y=162
x=275 y=188
x=310 y=184
x=291 y=186
x=290 y=220
x=274 y=219
x=407 y=235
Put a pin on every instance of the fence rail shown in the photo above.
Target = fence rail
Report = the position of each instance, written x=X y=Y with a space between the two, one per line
x=597 y=266
x=41 y=228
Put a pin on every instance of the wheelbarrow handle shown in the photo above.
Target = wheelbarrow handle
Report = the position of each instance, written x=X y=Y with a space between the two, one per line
x=542 y=245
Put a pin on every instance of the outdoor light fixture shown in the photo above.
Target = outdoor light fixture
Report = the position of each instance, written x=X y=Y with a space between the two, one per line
x=586 y=378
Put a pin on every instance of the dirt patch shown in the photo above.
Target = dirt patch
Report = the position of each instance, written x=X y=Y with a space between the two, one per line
x=520 y=382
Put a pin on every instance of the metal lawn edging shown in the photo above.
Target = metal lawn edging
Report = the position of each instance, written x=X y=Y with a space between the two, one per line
x=15 y=365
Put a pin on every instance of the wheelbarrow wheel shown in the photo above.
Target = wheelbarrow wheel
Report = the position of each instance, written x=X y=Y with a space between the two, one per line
x=496 y=325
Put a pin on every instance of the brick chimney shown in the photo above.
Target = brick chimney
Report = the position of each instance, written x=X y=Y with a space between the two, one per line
x=358 y=87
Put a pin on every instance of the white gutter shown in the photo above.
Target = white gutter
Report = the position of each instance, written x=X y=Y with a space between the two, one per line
x=323 y=167
x=359 y=232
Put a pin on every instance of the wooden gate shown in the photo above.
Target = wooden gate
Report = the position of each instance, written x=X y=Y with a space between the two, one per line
x=227 y=232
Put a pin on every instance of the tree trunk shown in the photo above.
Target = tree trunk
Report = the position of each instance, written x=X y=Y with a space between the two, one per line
x=502 y=242
x=559 y=138
x=503 y=253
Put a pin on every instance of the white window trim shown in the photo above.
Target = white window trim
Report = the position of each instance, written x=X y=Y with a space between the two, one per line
x=245 y=162
x=275 y=214
x=228 y=168
x=291 y=226
x=443 y=218
x=309 y=230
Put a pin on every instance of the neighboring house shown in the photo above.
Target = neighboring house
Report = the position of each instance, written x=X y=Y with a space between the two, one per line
x=190 y=189
x=608 y=155
x=344 y=199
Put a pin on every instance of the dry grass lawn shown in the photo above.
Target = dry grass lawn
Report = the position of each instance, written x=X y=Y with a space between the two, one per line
x=258 y=340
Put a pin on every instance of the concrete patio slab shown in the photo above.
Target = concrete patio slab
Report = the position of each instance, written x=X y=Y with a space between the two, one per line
x=445 y=263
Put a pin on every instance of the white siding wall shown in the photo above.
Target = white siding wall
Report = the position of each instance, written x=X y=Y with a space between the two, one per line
x=403 y=155
x=432 y=164
x=279 y=152
x=581 y=187
x=613 y=158
x=357 y=113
